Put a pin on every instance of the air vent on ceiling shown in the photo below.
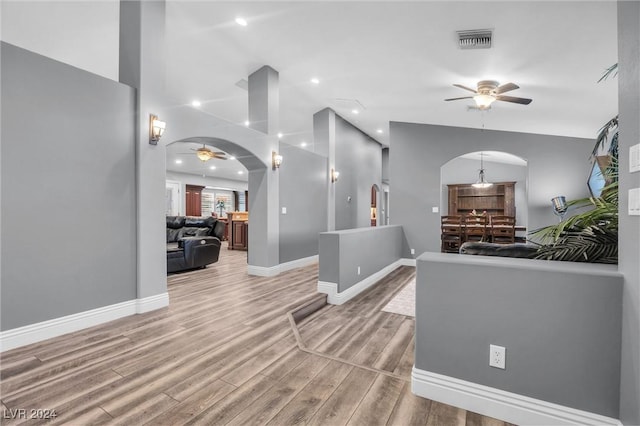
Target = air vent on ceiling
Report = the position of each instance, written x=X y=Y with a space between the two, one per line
x=475 y=39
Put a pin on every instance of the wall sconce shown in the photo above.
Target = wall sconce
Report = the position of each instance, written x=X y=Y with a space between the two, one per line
x=156 y=129
x=334 y=175
x=276 y=160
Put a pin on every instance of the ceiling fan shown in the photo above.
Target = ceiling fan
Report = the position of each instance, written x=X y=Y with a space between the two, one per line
x=204 y=154
x=489 y=91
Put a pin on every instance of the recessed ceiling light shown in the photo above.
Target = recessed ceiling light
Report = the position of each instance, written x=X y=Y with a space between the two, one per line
x=379 y=131
x=241 y=21
x=280 y=135
x=247 y=122
x=240 y=172
x=303 y=144
x=355 y=111
x=315 y=80
x=196 y=103
x=212 y=167
x=178 y=161
x=232 y=158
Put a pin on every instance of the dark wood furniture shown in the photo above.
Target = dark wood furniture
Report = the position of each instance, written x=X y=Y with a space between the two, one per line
x=475 y=227
x=238 y=230
x=451 y=234
x=502 y=229
x=193 y=200
x=498 y=199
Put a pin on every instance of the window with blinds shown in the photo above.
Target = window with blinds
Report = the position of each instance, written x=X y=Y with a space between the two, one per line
x=219 y=202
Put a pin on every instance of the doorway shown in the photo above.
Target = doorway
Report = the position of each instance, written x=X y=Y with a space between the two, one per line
x=375 y=202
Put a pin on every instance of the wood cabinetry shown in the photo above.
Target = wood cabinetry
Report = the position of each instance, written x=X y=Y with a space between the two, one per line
x=193 y=200
x=498 y=199
x=238 y=230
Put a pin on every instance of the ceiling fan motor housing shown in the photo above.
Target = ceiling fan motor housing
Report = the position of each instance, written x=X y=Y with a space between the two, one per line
x=486 y=87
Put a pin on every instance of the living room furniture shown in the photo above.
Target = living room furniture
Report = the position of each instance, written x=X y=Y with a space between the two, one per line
x=238 y=230
x=498 y=199
x=475 y=227
x=502 y=229
x=451 y=234
x=192 y=242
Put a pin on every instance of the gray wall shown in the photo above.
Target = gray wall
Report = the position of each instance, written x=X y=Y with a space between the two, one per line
x=559 y=322
x=629 y=107
x=359 y=161
x=68 y=190
x=419 y=150
x=372 y=249
x=463 y=170
x=303 y=191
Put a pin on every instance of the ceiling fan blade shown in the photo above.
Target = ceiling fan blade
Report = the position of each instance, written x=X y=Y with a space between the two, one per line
x=219 y=157
x=507 y=87
x=523 y=101
x=455 y=99
x=466 y=88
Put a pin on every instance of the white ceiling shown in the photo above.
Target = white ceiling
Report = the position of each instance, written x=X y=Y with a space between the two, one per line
x=398 y=59
x=185 y=152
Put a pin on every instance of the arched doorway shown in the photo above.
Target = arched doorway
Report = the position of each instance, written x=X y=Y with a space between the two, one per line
x=375 y=205
x=507 y=195
x=237 y=162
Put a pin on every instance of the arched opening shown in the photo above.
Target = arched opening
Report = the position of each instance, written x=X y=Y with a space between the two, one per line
x=217 y=186
x=504 y=192
x=374 y=216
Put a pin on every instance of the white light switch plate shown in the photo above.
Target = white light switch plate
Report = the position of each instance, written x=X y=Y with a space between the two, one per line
x=634 y=158
x=284 y=210
x=435 y=209
x=634 y=202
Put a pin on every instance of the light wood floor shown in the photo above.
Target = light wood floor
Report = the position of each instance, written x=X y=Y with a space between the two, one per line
x=224 y=352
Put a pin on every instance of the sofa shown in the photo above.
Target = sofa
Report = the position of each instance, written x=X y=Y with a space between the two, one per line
x=526 y=251
x=192 y=242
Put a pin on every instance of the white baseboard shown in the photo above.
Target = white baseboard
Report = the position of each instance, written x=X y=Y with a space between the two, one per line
x=272 y=271
x=336 y=298
x=152 y=303
x=408 y=262
x=263 y=271
x=298 y=263
x=33 y=333
x=499 y=404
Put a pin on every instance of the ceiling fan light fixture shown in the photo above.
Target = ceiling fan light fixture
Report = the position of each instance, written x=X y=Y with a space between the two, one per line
x=484 y=101
x=204 y=154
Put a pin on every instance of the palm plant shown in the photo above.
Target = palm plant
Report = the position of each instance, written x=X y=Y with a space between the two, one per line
x=590 y=236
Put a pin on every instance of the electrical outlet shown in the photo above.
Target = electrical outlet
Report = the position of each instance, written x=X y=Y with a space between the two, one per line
x=497 y=355
x=358 y=270
x=413 y=251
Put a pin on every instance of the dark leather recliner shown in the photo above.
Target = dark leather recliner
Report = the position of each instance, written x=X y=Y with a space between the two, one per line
x=192 y=242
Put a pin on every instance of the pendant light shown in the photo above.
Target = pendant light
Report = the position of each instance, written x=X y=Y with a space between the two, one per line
x=481 y=182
